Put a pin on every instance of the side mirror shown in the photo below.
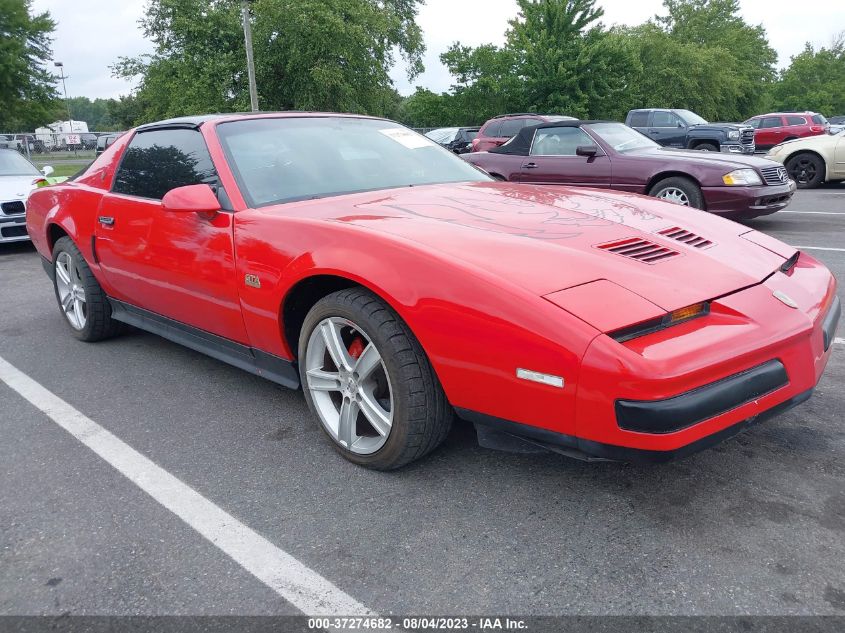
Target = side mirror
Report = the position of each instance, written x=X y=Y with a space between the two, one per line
x=47 y=170
x=191 y=199
x=586 y=150
x=681 y=124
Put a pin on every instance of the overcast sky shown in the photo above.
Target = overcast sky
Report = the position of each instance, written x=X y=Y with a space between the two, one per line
x=92 y=34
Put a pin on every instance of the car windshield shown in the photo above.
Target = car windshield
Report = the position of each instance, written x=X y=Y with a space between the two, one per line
x=443 y=134
x=690 y=118
x=296 y=158
x=471 y=134
x=13 y=164
x=620 y=137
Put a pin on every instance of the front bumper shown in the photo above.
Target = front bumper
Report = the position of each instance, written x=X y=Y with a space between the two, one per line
x=744 y=203
x=737 y=148
x=751 y=355
x=13 y=228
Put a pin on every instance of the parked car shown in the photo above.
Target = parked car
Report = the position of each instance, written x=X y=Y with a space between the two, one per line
x=401 y=286
x=837 y=120
x=777 y=127
x=504 y=127
x=7 y=141
x=687 y=130
x=813 y=160
x=18 y=177
x=104 y=141
x=455 y=139
x=613 y=156
x=28 y=142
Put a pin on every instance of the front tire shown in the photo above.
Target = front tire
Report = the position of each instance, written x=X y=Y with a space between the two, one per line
x=82 y=302
x=678 y=190
x=707 y=147
x=369 y=383
x=807 y=170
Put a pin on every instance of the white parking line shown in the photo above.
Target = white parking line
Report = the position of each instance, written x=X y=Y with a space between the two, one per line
x=816 y=212
x=820 y=248
x=839 y=341
x=302 y=587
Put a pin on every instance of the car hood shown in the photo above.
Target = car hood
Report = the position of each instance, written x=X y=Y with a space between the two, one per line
x=728 y=161
x=16 y=187
x=719 y=126
x=546 y=239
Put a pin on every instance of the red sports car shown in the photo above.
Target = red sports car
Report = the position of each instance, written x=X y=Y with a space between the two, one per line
x=400 y=286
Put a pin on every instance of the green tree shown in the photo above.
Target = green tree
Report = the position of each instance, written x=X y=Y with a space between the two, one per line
x=310 y=55
x=425 y=108
x=744 y=48
x=556 y=59
x=674 y=73
x=28 y=89
x=814 y=80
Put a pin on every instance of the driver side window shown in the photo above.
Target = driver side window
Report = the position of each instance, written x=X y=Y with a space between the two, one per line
x=157 y=161
x=559 y=141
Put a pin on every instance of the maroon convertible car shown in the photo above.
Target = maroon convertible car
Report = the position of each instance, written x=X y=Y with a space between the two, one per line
x=612 y=155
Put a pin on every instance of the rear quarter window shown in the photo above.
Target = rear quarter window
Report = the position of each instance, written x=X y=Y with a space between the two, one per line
x=492 y=129
x=639 y=119
x=796 y=120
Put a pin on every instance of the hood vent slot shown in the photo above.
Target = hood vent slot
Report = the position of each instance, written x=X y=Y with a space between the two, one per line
x=682 y=235
x=639 y=249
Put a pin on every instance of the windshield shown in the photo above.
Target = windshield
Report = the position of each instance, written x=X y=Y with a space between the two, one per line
x=285 y=159
x=443 y=134
x=13 y=164
x=690 y=118
x=620 y=137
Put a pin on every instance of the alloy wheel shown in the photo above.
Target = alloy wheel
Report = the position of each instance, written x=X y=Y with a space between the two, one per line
x=71 y=291
x=803 y=171
x=673 y=194
x=349 y=385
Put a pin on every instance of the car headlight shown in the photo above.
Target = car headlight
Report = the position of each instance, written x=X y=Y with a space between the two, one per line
x=742 y=177
x=733 y=135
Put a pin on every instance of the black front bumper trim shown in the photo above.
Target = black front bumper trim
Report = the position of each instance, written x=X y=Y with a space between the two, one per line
x=831 y=320
x=593 y=451
x=685 y=410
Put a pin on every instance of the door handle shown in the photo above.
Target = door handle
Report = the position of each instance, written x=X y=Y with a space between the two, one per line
x=531 y=165
x=105 y=220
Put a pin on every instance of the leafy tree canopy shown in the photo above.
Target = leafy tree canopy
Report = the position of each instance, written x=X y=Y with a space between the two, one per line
x=28 y=89
x=310 y=55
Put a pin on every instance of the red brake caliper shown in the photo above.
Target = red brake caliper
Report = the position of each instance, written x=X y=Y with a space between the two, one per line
x=356 y=347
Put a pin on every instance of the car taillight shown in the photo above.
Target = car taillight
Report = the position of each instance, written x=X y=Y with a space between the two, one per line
x=816 y=128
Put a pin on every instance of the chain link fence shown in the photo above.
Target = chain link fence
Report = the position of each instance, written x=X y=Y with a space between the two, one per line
x=57 y=146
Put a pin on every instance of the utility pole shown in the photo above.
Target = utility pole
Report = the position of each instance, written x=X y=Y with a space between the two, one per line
x=250 y=63
x=61 y=68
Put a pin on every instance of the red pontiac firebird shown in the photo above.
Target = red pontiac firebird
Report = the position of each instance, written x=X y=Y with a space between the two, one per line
x=399 y=286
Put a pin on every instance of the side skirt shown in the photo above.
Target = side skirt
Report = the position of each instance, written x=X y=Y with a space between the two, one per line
x=274 y=368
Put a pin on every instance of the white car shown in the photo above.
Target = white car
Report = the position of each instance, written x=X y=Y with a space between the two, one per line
x=812 y=160
x=18 y=177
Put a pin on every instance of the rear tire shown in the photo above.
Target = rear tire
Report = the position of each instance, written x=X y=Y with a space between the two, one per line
x=413 y=416
x=82 y=302
x=678 y=190
x=807 y=170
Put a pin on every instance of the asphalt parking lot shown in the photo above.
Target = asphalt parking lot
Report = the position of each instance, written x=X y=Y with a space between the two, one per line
x=755 y=525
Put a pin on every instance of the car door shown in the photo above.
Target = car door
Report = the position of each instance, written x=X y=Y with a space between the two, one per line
x=839 y=156
x=771 y=131
x=179 y=265
x=667 y=129
x=553 y=160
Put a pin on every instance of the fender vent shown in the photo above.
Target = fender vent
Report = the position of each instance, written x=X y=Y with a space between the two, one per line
x=688 y=238
x=639 y=249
